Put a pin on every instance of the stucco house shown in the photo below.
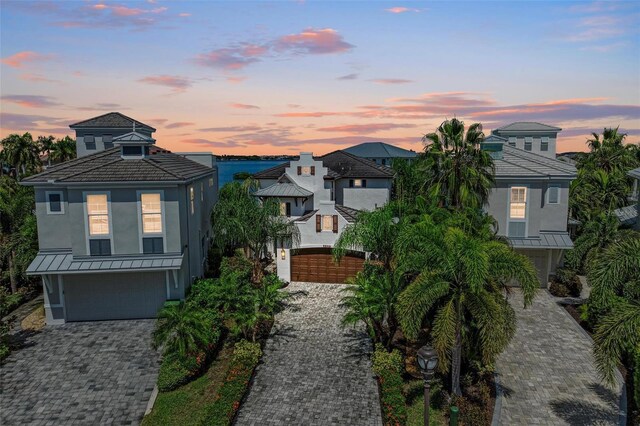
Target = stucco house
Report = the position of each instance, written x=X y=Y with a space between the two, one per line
x=629 y=216
x=122 y=229
x=381 y=153
x=322 y=195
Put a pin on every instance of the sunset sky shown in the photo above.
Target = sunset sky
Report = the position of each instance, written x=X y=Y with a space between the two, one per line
x=282 y=77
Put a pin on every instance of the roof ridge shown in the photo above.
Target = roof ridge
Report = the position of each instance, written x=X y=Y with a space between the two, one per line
x=153 y=163
x=73 y=162
x=362 y=160
x=534 y=122
x=112 y=112
x=536 y=158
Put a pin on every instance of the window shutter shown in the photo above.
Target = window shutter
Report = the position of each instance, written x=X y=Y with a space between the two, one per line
x=364 y=183
x=313 y=170
x=299 y=170
x=288 y=209
x=350 y=183
x=318 y=223
x=335 y=223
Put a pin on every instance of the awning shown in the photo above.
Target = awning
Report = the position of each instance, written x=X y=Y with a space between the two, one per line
x=65 y=263
x=552 y=240
x=283 y=190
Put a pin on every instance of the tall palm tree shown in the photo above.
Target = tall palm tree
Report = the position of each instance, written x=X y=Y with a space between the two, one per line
x=457 y=285
x=45 y=144
x=22 y=153
x=615 y=302
x=458 y=173
x=609 y=152
x=181 y=329
x=64 y=150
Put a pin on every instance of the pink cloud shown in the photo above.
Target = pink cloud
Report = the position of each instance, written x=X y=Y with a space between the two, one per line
x=177 y=83
x=226 y=58
x=307 y=114
x=401 y=9
x=18 y=60
x=179 y=124
x=184 y=15
x=243 y=106
x=366 y=128
x=37 y=78
x=30 y=101
x=214 y=144
x=391 y=81
x=231 y=129
x=314 y=41
x=236 y=80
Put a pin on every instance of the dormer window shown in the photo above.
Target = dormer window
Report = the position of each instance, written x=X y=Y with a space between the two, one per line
x=135 y=151
x=90 y=141
x=108 y=141
x=358 y=183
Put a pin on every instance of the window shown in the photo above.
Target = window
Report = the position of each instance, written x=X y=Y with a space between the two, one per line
x=384 y=162
x=553 y=194
x=132 y=150
x=306 y=170
x=327 y=223
x=528 y=143
x=151 y=210
x=201 y=191
x=100 y=247
x=192 y=199
x=512 y=141
x=518 y=202
x=544 y=143
x=98 y=214
x=285 y=209
x=358 y=183
x=210 y=182
x=54 y=202
x=90 y=142
x=108 y=141
x=154 y=245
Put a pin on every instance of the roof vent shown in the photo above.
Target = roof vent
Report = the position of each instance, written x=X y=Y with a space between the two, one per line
x=493 y=148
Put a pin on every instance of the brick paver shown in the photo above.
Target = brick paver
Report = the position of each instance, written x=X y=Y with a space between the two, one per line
x=314 y=372
x=547 y=372
x=80 y=373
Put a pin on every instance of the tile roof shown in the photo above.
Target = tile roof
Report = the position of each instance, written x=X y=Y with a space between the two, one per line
x=547 y=239
x=108 y=166
x=379 y=149
x=627 y=215
x=341 y=164
x=635 y=173
x=133 y=137
x=65 y=262
x=519 y=163
x=530 y=126
x=347 y=212
x=111 y=120
x=306 y=216
x=283 y=190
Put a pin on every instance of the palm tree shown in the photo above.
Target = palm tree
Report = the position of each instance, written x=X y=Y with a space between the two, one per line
x=458 y=173
x=457 y=283
x=63 y=150
x=615 y=302
x=181 y=329
x=45 y=144
x=22 y=153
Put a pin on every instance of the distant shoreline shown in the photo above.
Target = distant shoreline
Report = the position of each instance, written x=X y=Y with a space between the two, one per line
x=256 y=157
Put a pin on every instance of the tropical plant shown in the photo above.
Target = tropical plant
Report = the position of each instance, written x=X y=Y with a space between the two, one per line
x=22 y=153
x=240 y=220
x=608 y=153
x=181 y=329
x=457 y=172
x=63 y=150
x=457 y=284
x=371 y=298
x=45 y=144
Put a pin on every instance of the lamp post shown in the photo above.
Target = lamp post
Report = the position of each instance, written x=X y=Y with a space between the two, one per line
x=427 y=362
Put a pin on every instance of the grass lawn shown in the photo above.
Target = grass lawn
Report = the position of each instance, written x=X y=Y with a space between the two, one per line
x=189 y=402
x=415 y=411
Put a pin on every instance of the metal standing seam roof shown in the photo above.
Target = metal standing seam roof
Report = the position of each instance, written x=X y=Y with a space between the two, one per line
x=516 y=162
x=283 y=190
x=627 y=215
x=554 y=240
x=65 y=263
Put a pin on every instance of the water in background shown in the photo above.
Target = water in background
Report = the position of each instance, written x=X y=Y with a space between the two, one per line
x=226 y=169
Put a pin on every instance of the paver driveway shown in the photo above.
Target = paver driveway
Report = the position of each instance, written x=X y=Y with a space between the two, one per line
x=80 y=373
x=547 y=371
x=314 y=372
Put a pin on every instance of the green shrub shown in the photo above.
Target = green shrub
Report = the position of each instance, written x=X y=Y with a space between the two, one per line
x=388 y=366
x=566 y=283
x=470 y=413
x=245 y=358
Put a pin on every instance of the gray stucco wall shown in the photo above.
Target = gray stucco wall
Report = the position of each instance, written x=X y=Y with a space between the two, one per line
x=81 y=147
x=359 y=200
x=536 y=140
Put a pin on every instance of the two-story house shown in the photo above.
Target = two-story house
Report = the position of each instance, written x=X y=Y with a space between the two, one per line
x=381 y=153
x=322 y=195
x=123 y=229
x=530 y=136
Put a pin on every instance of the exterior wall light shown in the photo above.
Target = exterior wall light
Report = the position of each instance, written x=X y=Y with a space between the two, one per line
x=283 y=254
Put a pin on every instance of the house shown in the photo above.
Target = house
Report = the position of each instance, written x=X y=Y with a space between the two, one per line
x=530 y=200
x=123 y=229
x=629 y=216
x=322 y=195
x=380 y=153
x=530 y=136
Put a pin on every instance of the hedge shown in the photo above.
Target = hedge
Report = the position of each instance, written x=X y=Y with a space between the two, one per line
x=388 y=368
x=246 y=356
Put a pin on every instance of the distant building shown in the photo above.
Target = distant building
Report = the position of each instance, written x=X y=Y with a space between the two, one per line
x=530 y=136
x=380 y=153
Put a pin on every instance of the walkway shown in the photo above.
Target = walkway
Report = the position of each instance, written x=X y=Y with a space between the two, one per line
x=80 y=374
x=314 y=372
x=547 y=372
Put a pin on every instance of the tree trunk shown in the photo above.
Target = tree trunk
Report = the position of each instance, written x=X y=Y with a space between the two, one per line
x=12 y=272
x=456 y=361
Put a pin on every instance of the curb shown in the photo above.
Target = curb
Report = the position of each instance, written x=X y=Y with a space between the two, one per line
x=497 y=408
x=152 y=400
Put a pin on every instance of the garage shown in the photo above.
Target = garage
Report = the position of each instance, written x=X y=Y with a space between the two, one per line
x=114 y=296
x=317 y=265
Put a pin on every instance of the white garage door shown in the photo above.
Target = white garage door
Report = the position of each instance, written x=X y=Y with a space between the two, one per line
x=114 y=296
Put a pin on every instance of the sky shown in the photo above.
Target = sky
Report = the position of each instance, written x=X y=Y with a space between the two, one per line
x=282 y=77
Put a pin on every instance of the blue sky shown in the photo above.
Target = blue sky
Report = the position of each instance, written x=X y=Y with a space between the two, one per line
x=280 y=77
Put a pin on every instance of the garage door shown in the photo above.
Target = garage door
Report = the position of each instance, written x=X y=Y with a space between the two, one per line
x=114 y=296
x=317 y=265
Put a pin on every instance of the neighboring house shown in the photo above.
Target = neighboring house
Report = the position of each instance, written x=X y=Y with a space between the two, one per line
x=629 y=216
x=529 y=136
x=380 y=153
x=123 y=229
x=322 y=195
x=530 y=201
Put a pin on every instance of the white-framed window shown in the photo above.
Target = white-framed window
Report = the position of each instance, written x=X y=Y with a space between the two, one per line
x=98 y=214
x=528 y=143
x=151 y=212
x=553 y=194
x=305 y=170
x=327 y=223
x=55 y=202
x=202 y=192
x=518 y=202
x=544 y=143
x=192 y=199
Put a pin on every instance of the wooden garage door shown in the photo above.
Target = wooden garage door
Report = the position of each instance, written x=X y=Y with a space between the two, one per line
x=317 y=265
